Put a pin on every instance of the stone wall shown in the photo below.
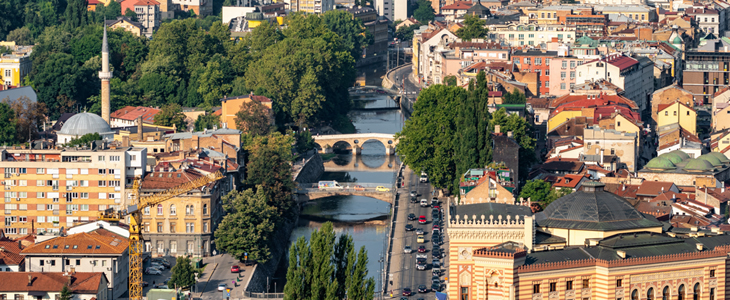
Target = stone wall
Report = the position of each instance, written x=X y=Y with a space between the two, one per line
x=279 y=249
x=311 y=171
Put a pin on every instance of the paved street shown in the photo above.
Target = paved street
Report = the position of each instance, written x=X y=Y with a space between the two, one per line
x=222 y=274
x=403 y=266
x=406 y=85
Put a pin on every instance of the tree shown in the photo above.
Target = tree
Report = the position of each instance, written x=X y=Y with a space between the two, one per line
x=183 y=274
x=556 y=194
x=207 y=120
x=269 y=168
x=29 y=117
x=8 y=124
x=354 y=35
x=254 y=118
x=474 y=28
x=521 y=133
x=248 y=225
x=304 y=139
x=170 y=115
x=327 y=268
x=57 y=80
x=450 y=80
x=215 y=81
x=21 y=36
x=424 y=13
x=536 y=190
x=76 y=15
x=405 y=33
x=84 y=139
x=516 y=97
x=131 y=15
x=65 y=293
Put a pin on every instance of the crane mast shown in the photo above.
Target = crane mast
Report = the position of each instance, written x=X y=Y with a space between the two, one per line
x=135 y=220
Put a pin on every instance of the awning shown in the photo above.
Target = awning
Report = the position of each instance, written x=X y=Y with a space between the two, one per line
x=441 y=296
x=37 y=293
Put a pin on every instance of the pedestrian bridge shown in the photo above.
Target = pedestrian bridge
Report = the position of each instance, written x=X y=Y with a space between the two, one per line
x=309 y=193
x=388 y=164
x=355 y=141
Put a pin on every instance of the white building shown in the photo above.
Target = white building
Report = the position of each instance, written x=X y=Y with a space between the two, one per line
x=81 y=124
x=709 y=19
x=35 y=285
x=436 y=41
x=635 y=77
x=148 y=13
x=99 y=251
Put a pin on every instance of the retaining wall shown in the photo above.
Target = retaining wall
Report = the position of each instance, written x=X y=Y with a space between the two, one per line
x=311 y=171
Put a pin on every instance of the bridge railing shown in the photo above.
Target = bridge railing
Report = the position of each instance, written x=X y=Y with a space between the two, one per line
x=351 y=189
x=346 y=185
x=263 y=295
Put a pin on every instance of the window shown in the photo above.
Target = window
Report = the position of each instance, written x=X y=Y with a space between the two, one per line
x=101 y=158
x=173 y=246
x=650 y=294
x=147 y=210
x=688 y=112
x=189 y=209
x=78 y=262
x=712 y=273
x=547 y=61
x=526 y=60
x=173 y=210
x=665 y=293
x=146 y=227
x=618 y=282
x=562 y=85
x=25 y=182
x=159 y=227
x=205 y=227
x=189 y=228
x=564 y=65
x=697 y=291
x=536 y=288
x=675 y=113
x=586 y=283
x=680 y=293
x=712 y=293
x=102 y=171
x=553 y=286
x=569 y=285
x=572 y=64
x=547 y=83
x=572 y=74
x=114 y=158
x=41 y=219
x=205 y=209
x=160 y=247
x=464 y=293
x=538 y=61
x=102 y=183
x=666 y=113
x=562 y=75
x=173 y=225
x=159 y=209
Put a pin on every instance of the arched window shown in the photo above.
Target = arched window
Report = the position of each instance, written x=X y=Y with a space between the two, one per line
x=680 y=292
x=159 y=209
x=696 y=292
x=147 y=210
x=665 y=293
x=650 y=294
x=173 y=210
x=635 y=295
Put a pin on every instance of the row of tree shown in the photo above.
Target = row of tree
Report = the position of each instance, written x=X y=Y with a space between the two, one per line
x=450 y=130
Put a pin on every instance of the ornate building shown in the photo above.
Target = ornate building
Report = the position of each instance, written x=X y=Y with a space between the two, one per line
x=587 y=245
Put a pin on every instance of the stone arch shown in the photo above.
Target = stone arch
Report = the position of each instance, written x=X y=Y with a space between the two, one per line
x=666 y=292
x=696 y=290
x=340 y=143
x=681 y=291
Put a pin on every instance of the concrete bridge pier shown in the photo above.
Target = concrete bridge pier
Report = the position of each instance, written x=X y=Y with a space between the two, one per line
x=356 y=150
x=389 y=150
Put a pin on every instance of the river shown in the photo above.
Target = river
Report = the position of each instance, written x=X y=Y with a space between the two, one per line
x=364 y=218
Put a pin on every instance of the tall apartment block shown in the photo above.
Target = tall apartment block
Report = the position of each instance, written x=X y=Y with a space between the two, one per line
x=47 y=189
x=311 y=6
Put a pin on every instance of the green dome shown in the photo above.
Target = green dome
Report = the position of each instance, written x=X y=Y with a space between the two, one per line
x=677 y=40
x=711 y=159
x=673 y=157
x=698 y=165
x=720 y=156
x=681 y=154
x=660 y=163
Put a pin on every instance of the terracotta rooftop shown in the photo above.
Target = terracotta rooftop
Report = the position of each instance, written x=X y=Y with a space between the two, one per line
x=569 y=181
x=601 y=99
x=131 y=113
x=622 y=190
x=80 y=243
x=619 y=60
x=458 y=5
x=146 y=3
x=654 y=188
x=10 y=252
x=81 y=283
x=170 y=179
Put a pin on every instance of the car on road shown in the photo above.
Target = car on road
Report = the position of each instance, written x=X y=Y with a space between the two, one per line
x=414 y=199
x=436 y=287
x=436 y=240
x=422 y=220
x=422 y=288
x=424 y=178
x=420 y=231
x=436 y=226
x=421 y=255
x=359 y=188
x=424 y=202
x=414 y=194
x=409 y=227
x=412 y=217
x=421 y=239
x=235 y=269
x=407 y=250
x=381 y=188
x=435 y=230
x=421 y=266
x=162 y=261
x=153 y=271
x=158 y=265
x=421 y=249
x=222 y=287
x=435 y=278
x=407 y=292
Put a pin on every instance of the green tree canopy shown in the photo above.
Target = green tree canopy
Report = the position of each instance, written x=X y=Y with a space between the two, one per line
x=170 y=115
x=450 y=80
x=474 y=28
x=269 y=167
x=424 y=13
x=7 y=125
x=327 y=268
x=248 y=225
x=183 y=273
x=522 y=134
x=254 y=118
x=65 y=293
x=516 y=97
x=207 y=120
x=21 y=36
x=84 y=139
x=355 y=36
x=405 y=33
x=131 y=15
x=536 y=190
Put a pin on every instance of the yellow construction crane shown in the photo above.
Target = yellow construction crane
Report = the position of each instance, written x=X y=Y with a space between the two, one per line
x=135 y=232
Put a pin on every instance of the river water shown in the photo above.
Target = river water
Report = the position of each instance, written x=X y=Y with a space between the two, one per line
x=364 y=218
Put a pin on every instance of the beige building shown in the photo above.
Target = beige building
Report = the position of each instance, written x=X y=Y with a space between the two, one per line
x=531 y=34
x=679 y=113
x=46 y=189
x=125 y=23
x=669 y=95
x=231 y=106
x=97 y=251
x=602 y=143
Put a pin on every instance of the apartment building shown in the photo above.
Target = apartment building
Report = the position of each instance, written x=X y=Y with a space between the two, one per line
x=536 y=61
x=46 y=189
x=708 y=19
x=531 y=34
x=148 y=13
x=707 y=69
x=16 y=65
x=315 y=6
x=200 y=7
x=634 y=76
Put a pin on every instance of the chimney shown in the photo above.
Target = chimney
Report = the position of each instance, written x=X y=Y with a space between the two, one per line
x=140 y=129
x=496 y=128
x=509 y=133
x=700 y=246
x=621 y=254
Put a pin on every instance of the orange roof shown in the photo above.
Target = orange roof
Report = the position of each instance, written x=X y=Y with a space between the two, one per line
x=146 y=3
x=10 y=253
x=458 y=5
x=81 y=283
x=654 y=188
x=80 y=243
x=166 y=180
x=131 y=113
x=569 y=180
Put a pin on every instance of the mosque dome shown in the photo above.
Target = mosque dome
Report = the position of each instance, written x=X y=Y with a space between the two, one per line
x=677 y=40
x=592 y=208
x=698 y=165
x=681 y=154
x=660 y=163
x=673 y=157
x=83 y=123
x=711 y=159
x=723 y=159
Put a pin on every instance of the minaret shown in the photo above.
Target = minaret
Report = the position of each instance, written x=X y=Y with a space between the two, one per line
x=105 y=75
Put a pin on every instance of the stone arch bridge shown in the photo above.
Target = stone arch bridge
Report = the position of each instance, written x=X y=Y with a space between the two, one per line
x=305 y=193
x=355 y=141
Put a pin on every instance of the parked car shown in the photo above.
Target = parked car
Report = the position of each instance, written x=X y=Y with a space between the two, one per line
x=414 y=199
x=235 y=269
x=407 y=292
x=410 y=227
x=414 y=194
x=436 y=263
x=152 y=271
x=421 y=249
x=381 y=188
x=421 y=267
x=436 y=272
x=436 y=287
x=422 y=220
x=436 y=240
x=412 y=217
x=421 y=255
x=436 y=253
x=424 y=178
x=162 y=261
x=222 y=287
x=435 y=278
x=407 y=250
x=158 y=265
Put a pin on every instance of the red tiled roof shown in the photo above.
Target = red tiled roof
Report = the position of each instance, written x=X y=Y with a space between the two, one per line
x=131 y=113
x=620 y=61
x=458 y=5
x=10 y=252
x=569 y=180
x=93 y=2
x=622 y=190
x=81 y=283
x=146 y=3
x=166 y=180
x=654 y=188
x=605 y=98
x=598 y=169
x=80 y=243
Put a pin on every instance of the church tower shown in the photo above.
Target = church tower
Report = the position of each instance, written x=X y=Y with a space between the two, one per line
x=105 y=75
